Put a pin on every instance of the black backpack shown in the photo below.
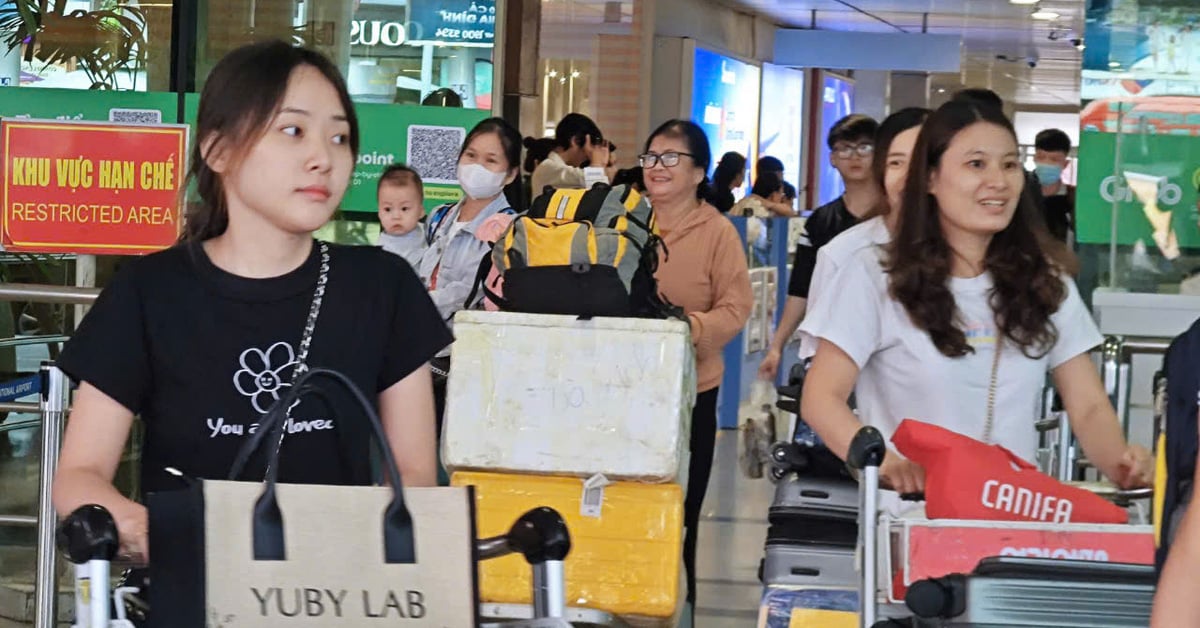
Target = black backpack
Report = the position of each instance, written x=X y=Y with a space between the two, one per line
x=1178 y=438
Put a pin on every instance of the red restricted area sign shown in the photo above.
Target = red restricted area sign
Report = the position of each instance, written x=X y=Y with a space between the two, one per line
x=91 y=188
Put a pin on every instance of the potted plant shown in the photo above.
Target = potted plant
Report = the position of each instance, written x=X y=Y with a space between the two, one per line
x=101 y=43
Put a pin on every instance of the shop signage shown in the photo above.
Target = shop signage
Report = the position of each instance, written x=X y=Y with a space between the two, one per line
x=452 y=21
x=91 y=188
x=1151 y=180
x=376 y=32
x=427 y=139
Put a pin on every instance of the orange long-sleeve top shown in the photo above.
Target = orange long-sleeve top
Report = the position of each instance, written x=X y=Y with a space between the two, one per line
x=705 y=273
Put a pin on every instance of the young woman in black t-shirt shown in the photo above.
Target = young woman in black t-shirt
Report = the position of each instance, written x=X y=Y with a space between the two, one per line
x=200 y=339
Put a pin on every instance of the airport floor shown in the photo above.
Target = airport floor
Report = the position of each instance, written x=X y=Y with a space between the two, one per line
x=733 y=529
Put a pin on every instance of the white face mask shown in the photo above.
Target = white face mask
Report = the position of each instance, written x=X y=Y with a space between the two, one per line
x=478 y=182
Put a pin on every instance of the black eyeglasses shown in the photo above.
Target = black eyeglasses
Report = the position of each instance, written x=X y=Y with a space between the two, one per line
x=844 y=151
x=669 y=159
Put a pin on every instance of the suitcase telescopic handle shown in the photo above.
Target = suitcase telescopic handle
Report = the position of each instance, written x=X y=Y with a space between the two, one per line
x=541 y=536
x=866 y=454
x=89 y=533
x=88 y=536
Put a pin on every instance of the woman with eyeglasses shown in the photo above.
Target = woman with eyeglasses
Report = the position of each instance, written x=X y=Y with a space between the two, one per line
x=705 y=273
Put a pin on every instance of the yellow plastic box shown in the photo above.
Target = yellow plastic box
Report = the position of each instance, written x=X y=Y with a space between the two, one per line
x=625 y=561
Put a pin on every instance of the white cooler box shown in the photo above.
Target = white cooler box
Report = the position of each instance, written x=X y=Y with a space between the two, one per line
x=549 y=394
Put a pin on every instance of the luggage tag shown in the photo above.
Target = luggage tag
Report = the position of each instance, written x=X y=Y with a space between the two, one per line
x=593 y=496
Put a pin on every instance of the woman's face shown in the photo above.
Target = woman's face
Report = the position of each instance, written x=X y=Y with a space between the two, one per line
x=674 y=184
x=979 y=180
x=738 y=181
x=486 y=150
x=896 y=169
x=294 y=176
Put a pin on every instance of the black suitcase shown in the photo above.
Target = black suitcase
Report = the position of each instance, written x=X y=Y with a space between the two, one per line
x=1017 y=592
x=810 y=551
x=827 y=498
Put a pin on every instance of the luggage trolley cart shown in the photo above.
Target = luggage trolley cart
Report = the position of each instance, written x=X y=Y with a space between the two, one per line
x=999 y=591
x=88 y=537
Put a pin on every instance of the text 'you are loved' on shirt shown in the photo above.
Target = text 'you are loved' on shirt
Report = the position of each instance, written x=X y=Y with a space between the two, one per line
x=200 y=354
x=903 y=375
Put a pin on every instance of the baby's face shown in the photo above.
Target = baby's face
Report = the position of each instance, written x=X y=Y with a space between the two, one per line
x=400 y=208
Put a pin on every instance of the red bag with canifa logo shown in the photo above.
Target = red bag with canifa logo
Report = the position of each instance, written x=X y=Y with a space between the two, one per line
x=968 y=479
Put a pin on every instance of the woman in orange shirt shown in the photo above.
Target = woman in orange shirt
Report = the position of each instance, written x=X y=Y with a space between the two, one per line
x=705 y=273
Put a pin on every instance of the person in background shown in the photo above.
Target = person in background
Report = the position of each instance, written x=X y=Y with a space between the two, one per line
x=851 y=144
x=537 y=149
x=490 y=159
x=893 y=153
x=773 y=164
x=630 y=176
x=706 y=274
x=729 y=176
x=958 y=320
x=200 y=339
x=1052 y=148
x=764 y=199
x=401 y=198
x=577 y=141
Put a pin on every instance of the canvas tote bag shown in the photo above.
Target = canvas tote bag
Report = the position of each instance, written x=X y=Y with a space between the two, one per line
x=232 y=554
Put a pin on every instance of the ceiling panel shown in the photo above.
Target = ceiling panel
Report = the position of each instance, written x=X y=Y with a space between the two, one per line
x=1030 y=62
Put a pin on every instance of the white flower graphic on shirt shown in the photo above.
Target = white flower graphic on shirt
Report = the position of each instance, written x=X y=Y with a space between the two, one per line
x=262 y=373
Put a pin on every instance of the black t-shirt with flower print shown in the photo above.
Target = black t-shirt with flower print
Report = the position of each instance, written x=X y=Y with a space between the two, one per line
x=200 y=354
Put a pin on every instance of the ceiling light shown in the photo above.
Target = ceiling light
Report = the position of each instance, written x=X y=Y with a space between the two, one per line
x=574 y=73
x=1045 y=14
x=1114 y=64
x=1023 y=2
x=941 y=90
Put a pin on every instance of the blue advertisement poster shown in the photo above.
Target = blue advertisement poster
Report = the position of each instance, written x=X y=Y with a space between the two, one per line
x=781 y=125
x=725 y=104
x=837 y=102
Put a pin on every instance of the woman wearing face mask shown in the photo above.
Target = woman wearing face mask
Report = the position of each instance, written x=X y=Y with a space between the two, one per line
x=960 y=317
x=706 y=275
x=490 y=159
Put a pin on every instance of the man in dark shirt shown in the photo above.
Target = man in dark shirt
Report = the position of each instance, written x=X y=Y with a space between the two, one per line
x=851 y=144
x=1051 y=150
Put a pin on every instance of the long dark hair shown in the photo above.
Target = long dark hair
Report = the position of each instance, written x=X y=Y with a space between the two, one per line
x=240 y=98
x=697 y=143
x=1025 y=263
x=731 y=165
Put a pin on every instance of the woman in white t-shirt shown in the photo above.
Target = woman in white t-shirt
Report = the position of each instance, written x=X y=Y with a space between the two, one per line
x=914 y=325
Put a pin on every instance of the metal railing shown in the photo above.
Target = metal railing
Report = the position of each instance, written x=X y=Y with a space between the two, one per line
x=1116 y=366
x=1116 y=369
x=52 y=409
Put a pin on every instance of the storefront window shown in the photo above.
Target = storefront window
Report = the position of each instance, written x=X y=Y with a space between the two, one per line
x=86 y=44
x=423 y=52
x=412 y=52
